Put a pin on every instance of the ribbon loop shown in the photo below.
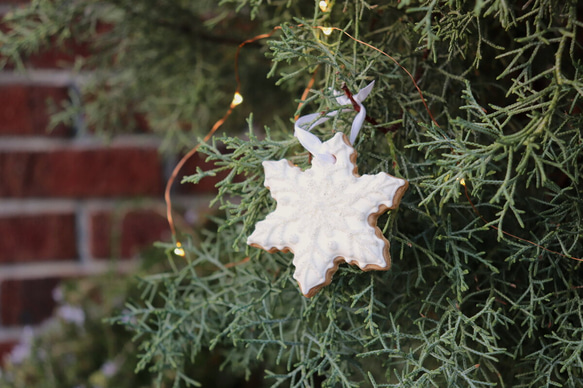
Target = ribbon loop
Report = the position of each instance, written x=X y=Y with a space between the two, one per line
x=311 y=142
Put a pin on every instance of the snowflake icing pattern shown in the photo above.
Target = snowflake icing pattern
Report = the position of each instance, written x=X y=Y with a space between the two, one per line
x=327 y=214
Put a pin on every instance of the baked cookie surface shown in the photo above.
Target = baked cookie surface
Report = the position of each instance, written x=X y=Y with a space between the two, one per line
x=327 y=214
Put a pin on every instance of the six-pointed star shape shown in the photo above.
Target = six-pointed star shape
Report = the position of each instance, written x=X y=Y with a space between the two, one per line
x=327 y=214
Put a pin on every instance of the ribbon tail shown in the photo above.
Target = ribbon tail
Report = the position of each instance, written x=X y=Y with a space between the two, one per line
x=364 y=92
x=357 y=123
x=308 y=140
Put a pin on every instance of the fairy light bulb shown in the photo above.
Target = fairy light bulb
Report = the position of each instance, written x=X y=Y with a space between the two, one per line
x=237 y=99
x=323 y=5
x=462 y=182
x=179 y=251
x=326 y=30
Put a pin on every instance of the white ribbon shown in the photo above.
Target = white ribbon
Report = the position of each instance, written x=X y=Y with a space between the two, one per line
x=311 y=141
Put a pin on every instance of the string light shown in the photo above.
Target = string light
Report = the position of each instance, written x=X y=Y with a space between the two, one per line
x=327 y=30
x=462 y=182
x=179 y=251
x=237 y=99
x=323 y=5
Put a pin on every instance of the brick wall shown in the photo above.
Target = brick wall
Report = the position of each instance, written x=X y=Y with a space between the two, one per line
x=69 y=201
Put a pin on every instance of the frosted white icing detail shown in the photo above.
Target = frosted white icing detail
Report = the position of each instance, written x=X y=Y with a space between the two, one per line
x=325 y=213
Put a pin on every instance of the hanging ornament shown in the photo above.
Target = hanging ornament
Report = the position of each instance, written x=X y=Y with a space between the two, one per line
x=327 y=214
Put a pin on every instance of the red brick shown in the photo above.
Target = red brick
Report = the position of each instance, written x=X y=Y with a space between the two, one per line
x=58 y=57
x=101 y=235
x=26 y=301
x=116 y=233
x=23 y=109
x=28 y=238
x=100 y=172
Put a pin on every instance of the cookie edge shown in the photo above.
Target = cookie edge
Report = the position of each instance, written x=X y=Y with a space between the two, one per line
x=372 y=221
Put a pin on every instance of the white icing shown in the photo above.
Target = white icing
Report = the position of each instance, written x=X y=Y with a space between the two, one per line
x=322 y=214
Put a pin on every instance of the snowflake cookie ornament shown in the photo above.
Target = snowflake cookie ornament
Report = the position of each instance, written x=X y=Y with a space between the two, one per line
x=327 y=214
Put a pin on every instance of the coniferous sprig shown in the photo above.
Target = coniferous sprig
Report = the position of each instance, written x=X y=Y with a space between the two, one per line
x=475 y=296
x=463 y=305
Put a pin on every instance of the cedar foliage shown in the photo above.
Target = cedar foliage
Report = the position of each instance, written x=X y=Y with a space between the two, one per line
x=465 y=303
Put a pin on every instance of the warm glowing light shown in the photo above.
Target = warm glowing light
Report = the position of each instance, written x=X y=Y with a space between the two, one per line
x=327 y=30
x=323 y=5
x=462 y=182
x=178 y=251
x=237 y=99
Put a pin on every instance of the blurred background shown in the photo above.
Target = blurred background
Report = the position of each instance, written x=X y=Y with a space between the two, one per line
x=73 y=203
